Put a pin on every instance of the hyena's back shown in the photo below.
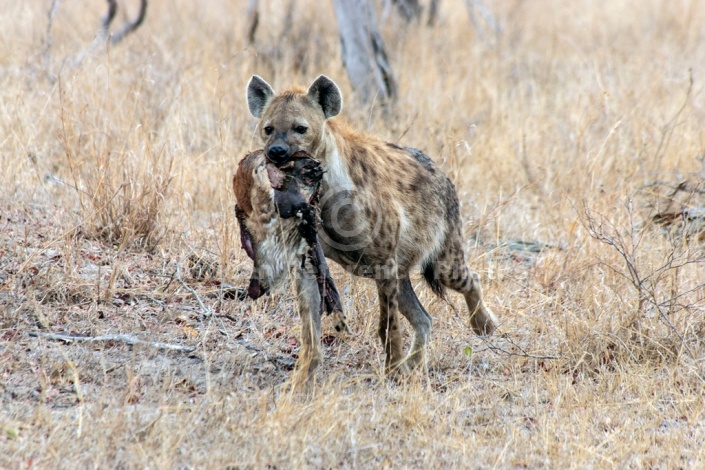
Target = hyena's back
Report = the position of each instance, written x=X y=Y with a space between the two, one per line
x=401 y=198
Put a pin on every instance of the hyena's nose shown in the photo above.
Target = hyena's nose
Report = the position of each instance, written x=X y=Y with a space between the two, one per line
x=277 y=153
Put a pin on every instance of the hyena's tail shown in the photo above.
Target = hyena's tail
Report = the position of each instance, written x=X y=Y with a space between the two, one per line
x=432 y=277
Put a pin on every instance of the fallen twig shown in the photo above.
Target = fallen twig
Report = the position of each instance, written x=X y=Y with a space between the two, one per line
x=205 y=311
x=127 y=339
x=280 y=362
x=497 y=349
x=163 y=305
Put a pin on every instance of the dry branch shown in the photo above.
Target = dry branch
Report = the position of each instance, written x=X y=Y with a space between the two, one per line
x=109 y=16
x=127 y=339
x=104 y=30
x=130 y=26
x=522 y=352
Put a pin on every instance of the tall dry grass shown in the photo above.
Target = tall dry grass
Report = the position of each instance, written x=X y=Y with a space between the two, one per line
x=566 y=135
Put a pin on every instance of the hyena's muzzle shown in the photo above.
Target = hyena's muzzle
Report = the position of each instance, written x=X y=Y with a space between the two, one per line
x=280 y=150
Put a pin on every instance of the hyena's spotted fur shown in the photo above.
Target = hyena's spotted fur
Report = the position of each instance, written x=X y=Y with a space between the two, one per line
x=385 y=209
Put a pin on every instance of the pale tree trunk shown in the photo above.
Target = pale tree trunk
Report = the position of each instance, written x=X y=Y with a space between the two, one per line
x=363 y=50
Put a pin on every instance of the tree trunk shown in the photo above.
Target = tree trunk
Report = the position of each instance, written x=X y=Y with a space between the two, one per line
x=363 y=50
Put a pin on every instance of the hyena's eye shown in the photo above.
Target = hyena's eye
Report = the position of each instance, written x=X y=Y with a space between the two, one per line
x=300 y=129
x=268 y=130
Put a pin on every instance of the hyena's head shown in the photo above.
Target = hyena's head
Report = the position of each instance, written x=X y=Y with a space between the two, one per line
x=294 y=119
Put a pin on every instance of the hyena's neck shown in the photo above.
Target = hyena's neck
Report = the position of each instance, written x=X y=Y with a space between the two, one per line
x=333 y=156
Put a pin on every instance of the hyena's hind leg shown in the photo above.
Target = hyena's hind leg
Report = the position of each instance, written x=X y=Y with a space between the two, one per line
x=420 y=320
x=449 y=270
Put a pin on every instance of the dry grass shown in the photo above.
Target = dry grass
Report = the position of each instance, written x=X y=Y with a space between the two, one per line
x=116 y=171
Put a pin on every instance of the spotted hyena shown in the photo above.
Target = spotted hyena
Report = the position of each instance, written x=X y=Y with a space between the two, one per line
x=385 y=209
x=277 y=217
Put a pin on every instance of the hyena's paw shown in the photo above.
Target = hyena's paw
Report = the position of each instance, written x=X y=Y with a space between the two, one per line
x=339 y=323
x=413 y=365
x=306 y=365
x=415 y=361
x=483 y=320
x=406 y=371
x=397 y=369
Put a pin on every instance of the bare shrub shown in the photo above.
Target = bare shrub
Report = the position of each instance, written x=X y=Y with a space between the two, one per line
x=663 y=279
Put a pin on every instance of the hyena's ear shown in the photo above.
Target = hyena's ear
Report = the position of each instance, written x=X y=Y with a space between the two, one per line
x=258 y=95
x=326 y=93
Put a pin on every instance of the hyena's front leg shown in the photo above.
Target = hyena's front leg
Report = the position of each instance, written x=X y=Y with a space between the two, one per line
x=309 y=305
x=389 y=328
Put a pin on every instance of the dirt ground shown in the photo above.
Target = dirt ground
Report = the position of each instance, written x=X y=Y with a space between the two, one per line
x=228 y=402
